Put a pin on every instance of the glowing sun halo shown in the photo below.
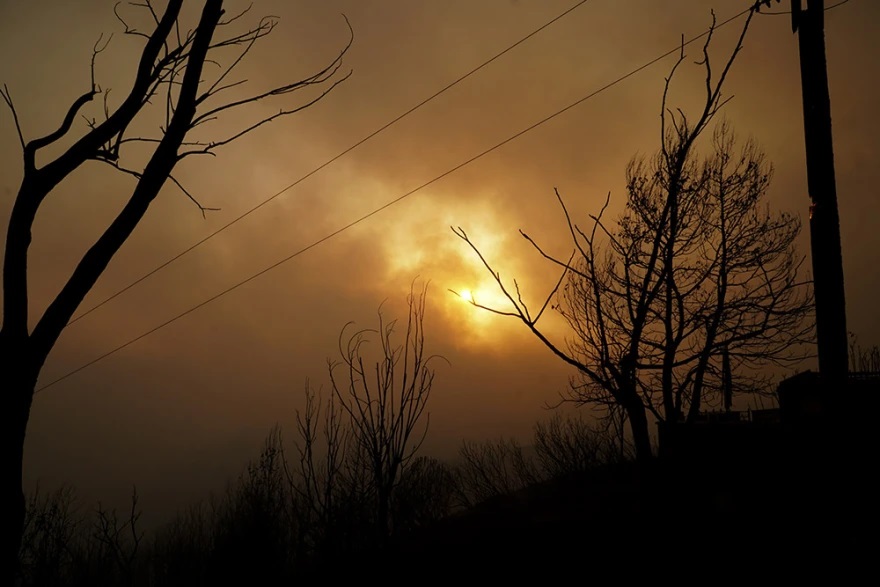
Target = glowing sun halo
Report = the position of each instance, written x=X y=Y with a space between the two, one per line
x=466 y=295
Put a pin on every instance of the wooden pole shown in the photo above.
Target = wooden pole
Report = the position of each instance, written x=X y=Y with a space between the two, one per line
x=824 y=217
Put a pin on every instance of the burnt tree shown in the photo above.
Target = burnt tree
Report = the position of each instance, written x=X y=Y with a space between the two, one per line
x=172 y=76
x=691 y=291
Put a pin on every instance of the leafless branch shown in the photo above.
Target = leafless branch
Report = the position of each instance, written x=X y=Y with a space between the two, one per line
x=267 y=24
x=202 y=209
x=215 y=144
x=235 y=17
x=7 y=97
x=128 y=30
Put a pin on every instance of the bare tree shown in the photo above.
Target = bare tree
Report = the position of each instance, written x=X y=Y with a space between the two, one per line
x=51 y=527
x=172 y=74
x=863 y=360
x=692 y=290
x=385 y=401
x=571 y=445
x=119 y=538
x=255 y=522
x=492 y=468
x=319 y=480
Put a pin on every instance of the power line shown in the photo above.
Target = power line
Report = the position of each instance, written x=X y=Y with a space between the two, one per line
x=325 y=164
x=781 y=12
x=394 y=201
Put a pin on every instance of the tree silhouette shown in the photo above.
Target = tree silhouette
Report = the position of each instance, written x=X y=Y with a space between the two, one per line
x=692 y=290
x=172 y=75
x=385 y=401
x=325 y=482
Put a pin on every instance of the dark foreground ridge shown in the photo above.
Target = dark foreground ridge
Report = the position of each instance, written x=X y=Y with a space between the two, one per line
x=789 y=494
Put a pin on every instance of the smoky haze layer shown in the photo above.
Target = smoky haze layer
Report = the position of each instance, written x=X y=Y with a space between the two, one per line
x=179 y=411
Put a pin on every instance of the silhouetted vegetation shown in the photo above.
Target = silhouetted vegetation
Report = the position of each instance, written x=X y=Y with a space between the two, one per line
x=383 y=406
x=284 y=519
x=488 y=469
x=62 y=546
x=693 y=287
x=691 y=292
x=562 y=447
x=863 y=359
x=353 y=487
x=171 y=91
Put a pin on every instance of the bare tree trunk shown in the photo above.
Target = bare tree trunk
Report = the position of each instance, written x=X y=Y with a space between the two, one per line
x=18 y=381
x=638 y=423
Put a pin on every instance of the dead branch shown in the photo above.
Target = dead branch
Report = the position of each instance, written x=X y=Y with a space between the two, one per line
x=7 y=97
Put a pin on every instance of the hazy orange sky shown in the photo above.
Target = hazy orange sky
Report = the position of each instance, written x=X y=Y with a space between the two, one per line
x=180 y=411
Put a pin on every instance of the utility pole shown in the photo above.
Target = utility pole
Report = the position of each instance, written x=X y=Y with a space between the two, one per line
x=825 y=246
